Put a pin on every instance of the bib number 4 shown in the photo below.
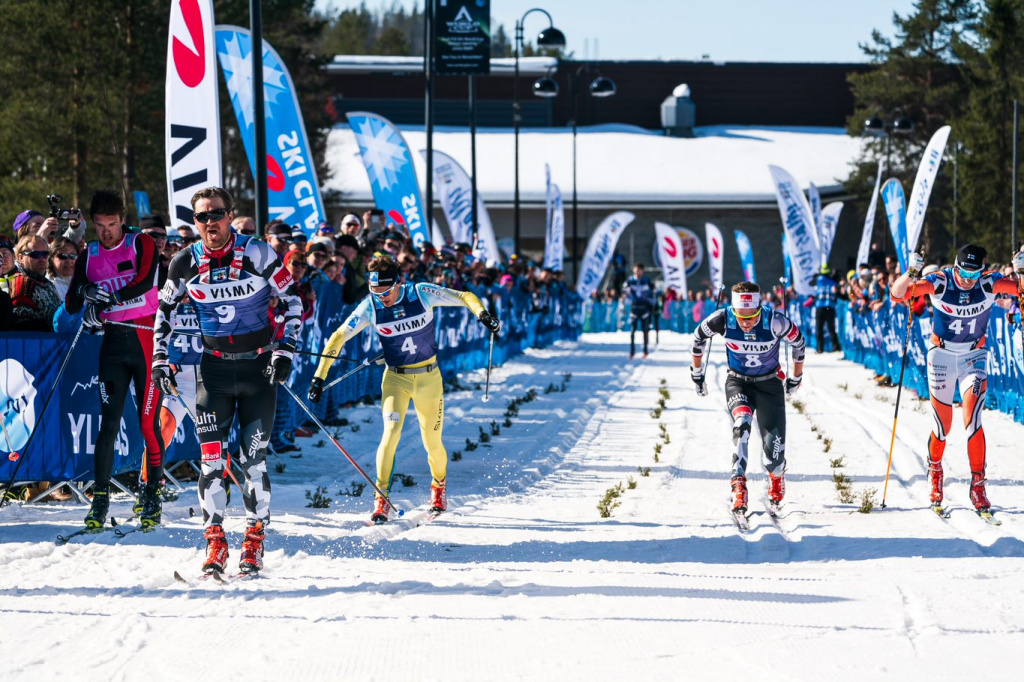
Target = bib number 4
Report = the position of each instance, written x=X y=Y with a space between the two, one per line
x=408 y=346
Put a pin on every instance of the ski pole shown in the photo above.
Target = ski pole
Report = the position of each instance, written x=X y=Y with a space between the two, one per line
x=199 y=336
x=899 y=391
x=334 y=440
x=39 y=419
x=785 y=311
x=490 y=358
x=366 y=363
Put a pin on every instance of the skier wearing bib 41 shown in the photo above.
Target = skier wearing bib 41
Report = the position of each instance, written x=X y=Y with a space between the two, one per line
x=229 y=279
x=753 y=333
x=402 y=314
x=962 y=298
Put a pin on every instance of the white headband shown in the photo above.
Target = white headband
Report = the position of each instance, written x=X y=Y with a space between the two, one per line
x=746 y=300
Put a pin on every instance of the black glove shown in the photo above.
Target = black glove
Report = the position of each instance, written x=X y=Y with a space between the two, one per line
x=697 y=375
x=97 y=296
x=490 y=321
x=163 y=378
x=793 y=383
x=91 y=319
x=316 y=389
x=280 y=365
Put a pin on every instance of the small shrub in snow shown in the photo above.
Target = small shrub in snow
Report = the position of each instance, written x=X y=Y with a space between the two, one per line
x=456 y=455
x=610 y=501
x=656 y=413
x=798 y=406
x=837 y=463
x=279 y=467
x=867 y=500
x=484 y=436
x=644 y=471
x=630 y=483
x=470 y=445
x=318 y=499
x=355 y=489
x=827 y=443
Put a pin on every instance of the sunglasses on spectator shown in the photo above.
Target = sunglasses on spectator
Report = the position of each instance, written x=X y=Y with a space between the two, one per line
x=157 y=235
x=300 y=263
x=326 y=229
x=174 y=239
x=352 y=224
x=280 y=238
x=67 y=256
x=211 y=216
x=35 y=254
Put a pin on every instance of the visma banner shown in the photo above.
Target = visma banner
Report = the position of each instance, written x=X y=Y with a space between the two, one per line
x=392 y=174
x=716 y=251
x=746 y=256
x=923 y=184
x=896 y=210
x=829 y=224
x=869 y=222
x=799 y=229
x=293 y=190
x=191 y=106
x=600 y=250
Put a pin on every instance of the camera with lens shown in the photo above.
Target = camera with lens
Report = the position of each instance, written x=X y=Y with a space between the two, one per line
x=55 y=200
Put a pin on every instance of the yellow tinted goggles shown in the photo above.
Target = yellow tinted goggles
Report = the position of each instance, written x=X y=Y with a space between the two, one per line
x=746 y=317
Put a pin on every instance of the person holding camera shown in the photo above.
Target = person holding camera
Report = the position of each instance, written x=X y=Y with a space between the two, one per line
x=403 y=316
x=117 y=276
x=230 y=279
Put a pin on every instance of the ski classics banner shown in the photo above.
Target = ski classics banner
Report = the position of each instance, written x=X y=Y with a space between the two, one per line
x=716 y=248
x=455 y=189
x=923 y=184
x=814 y=199
x=869 y=222
x=293 y=191
x=191 y=106
x=599 y=252
x=829 y=223
x=896 y=210
x=799 y=228
x=746 y=256
x=392 y=175
x=670 y=254
x=554 y=251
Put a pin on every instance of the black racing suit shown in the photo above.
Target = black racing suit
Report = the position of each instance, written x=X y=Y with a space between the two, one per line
x=125 y=357
x=231 y=290
x=641 y=307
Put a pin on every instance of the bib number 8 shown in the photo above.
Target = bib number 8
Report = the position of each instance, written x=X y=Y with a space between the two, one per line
x=408 y=346
x=752 y=361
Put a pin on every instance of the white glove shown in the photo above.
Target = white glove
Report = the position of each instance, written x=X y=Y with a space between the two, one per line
x=697 y=375
x=1018 y=262
x=915 y=264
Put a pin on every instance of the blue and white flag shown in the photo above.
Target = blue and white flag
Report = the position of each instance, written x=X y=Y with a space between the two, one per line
x=814 y=199
x=923 y=184
x=600 y=250
x=455 y=189
x=746 y=256
x=800 y=231
x=869 y=222
x=829 y=223
x=787 y=262
x=716 y=251
x=293 y=191
x=141 y=204
x=392 y=175
x=554 y=249
x=896 y=209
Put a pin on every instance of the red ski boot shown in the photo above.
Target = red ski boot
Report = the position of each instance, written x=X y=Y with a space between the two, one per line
x=381 y=507
x=776 y=487
x=739 y=494
x=438 y=497
x=252 y=549
x=216 y=550
x=935 y=479
x=978 y=496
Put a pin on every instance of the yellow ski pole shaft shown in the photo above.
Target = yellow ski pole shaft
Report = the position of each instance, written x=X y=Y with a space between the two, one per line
x=899 y=391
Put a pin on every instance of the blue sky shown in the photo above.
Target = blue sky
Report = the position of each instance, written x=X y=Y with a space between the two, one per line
x=725 y=30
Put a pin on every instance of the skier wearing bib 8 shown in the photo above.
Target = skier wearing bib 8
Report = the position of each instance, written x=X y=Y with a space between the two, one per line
x=962 y=298
x=402 y=314
x=753 y=333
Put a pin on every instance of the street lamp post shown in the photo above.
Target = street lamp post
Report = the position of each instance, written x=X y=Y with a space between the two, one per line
x=876 y=126
x=549 y=37
x=599 y=87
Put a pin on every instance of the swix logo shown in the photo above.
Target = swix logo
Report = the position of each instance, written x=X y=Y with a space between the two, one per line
x=190 y=59
x=670 y=248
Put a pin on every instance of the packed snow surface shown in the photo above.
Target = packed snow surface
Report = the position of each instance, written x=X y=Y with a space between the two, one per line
x=522 y=580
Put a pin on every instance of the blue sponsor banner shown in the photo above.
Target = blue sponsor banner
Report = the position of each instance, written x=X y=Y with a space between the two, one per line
x=392 y=175
x=746 y=256
x=896 y=209
x=293 y=192
x=141 y=204
x=63 y=448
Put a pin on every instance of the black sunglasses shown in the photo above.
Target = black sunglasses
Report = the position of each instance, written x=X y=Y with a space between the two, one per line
x=67 y=256
x=35 y=254
x=157 y=235
x=211 y=216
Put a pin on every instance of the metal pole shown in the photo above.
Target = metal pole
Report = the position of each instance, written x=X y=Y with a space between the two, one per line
x=428 y=69
x=573 y=83
x=515 y=127
x=1013 y=193
x=259 y=126
x=472 y=156
x=956 y=185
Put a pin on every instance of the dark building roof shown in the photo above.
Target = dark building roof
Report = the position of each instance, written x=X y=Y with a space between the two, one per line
x=731 y=93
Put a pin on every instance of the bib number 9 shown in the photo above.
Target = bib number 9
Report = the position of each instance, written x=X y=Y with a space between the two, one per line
x=225 y=313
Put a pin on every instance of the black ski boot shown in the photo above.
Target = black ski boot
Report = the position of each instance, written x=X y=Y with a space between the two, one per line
x=151 y=505
x=97 y=516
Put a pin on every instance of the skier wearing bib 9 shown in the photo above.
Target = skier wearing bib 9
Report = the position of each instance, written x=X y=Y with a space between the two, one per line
x=753 y=333
x=229 y=279
x=402 y=314
x=962 y=298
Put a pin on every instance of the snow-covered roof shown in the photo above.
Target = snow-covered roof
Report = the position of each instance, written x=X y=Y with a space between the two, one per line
x=622 y=165
x=502 y=66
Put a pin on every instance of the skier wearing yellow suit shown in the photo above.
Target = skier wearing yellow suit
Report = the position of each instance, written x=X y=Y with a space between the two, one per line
x=403 y=317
